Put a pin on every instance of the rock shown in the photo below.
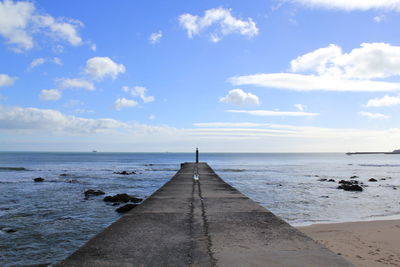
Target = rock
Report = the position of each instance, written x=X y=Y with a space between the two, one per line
x=352 y=187
x=322 y=180
x=325 y=196
x=8 y=230
x=136 y=199
x=64 y=174
x=383 y=179
x=125 y=173
x=354 y=177
x=39 y=179
x=122 y=198
x=394 y=188
x=331 y=180
x=92 y=192
x=372 y=180
x=126 y=208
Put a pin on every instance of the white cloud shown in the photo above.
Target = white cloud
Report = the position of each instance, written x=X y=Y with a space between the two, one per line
x=101 y=67
x=6 y=80
x=20 y=21
x=385 y=101
x=330 y=69
x=316 y=60
x=220 y=21
x=152 y=117
x=82 y=111
x=139 y=91
x=64 y=29
x=380 y=18
x=300 y=107
x=76 y=83
x=371 y=60
x=56 y=60
x=274 y=113
x=39 y=61
x=350 y=5
x=155 y=37
x=239 y=97
x=50 y=95
x=93 y=47
x=123 y=103
x=19 y=118
x=373 y=115
x=300 y=82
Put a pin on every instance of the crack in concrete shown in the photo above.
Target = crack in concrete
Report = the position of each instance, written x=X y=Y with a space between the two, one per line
x=213 y=260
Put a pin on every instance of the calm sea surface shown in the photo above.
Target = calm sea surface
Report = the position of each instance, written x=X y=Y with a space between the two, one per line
x=52 y=219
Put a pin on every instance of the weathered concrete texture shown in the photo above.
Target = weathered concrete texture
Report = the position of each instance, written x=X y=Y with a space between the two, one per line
x=201 y=223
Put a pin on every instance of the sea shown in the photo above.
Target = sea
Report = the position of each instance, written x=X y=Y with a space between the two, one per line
x=52 y=219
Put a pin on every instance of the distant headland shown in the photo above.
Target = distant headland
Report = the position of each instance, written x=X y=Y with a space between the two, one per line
x=396 y=151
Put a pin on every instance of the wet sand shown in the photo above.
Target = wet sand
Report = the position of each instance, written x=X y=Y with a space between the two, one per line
x=373 y=243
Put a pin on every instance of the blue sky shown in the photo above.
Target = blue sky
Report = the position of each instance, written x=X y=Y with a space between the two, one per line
x=227 y=76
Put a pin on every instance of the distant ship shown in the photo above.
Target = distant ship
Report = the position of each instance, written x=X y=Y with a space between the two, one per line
x=94 y=151
x=396 y=151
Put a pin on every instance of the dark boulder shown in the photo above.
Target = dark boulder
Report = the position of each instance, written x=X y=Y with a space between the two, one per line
x=92 y=192
x=372 y=180
x=354 y=177
x=322 y=180
x=352 y=187
x=8 y=230
x=331 y=180
x=126 y=208
x=39 y=179
x=64 y=174
x=125 y=173
x=122 y=198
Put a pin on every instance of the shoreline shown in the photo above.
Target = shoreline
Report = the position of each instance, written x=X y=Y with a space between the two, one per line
x=363 y=243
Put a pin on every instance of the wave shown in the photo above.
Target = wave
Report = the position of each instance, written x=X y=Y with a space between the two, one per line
x=162 y=170
x=231 y=170
x=13 y=169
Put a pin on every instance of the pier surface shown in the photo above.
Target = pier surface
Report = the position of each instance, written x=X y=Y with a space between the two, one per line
x=201 y=223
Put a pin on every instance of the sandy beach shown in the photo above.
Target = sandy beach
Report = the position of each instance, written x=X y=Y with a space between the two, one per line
x=373 y=243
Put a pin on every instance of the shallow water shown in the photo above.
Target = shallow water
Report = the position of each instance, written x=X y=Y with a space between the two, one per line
x=53 y=219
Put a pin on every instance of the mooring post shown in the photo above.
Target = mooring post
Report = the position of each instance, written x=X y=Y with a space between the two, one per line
x=197 y=155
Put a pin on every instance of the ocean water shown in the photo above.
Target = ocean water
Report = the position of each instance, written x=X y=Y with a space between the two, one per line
x=52 y=219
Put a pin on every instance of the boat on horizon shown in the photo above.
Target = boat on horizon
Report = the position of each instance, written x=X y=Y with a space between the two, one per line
x=396 y=151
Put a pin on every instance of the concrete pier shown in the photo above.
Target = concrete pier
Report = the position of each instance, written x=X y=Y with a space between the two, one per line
x=201 y=223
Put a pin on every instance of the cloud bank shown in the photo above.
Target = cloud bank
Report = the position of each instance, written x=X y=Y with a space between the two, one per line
x=274 y=113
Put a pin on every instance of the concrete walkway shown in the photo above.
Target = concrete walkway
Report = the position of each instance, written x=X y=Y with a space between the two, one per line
x=201 y=223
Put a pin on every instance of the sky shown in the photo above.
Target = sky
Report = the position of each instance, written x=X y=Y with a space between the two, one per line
x=224 y=76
